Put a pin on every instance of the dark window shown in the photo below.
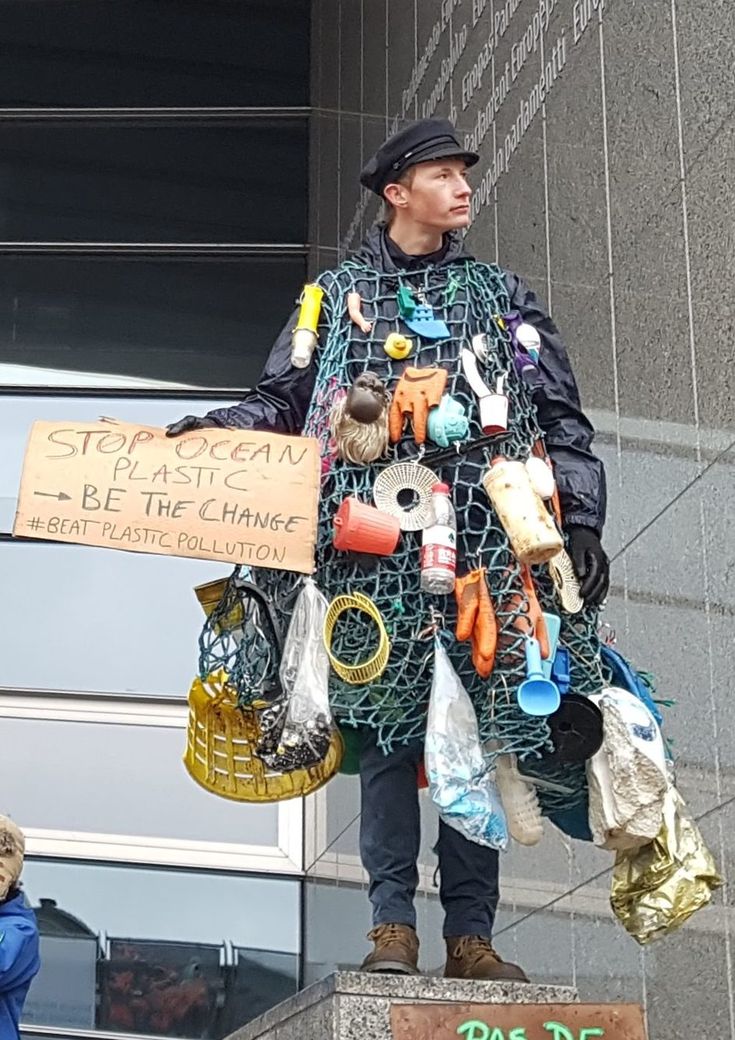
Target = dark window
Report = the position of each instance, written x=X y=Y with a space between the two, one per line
x=199 y=181
x=199 y=322
x=110 y=53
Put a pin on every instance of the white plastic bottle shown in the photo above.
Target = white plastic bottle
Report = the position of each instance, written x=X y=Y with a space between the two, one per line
x=520 y=802
x=439 y=545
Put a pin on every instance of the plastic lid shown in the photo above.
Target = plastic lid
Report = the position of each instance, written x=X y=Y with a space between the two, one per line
x=440 y=489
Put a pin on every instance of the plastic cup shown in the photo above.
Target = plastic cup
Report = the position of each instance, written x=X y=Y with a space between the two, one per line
x=494 y=414
x=365 y=529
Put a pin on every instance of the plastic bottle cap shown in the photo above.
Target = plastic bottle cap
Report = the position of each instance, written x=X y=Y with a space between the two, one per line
x=440 y=489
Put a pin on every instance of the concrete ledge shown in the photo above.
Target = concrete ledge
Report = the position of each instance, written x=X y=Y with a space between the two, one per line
x=352 y=1005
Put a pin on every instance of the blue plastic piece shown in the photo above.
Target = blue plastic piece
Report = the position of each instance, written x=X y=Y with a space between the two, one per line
x=536 y=695
x=423 y=323
x=560 y=673
x=625 y=676
x=447 y=422
x=553 y=628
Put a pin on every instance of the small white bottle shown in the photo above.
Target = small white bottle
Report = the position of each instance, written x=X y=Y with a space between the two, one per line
x=439 y=545
x=520 y=802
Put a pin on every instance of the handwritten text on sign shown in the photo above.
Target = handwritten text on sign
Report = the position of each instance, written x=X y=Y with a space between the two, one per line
x=517 y=1022
x=235 y=496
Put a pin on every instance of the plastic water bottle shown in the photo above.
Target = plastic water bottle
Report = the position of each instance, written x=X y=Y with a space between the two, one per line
x=439 y=545
x=520 y=801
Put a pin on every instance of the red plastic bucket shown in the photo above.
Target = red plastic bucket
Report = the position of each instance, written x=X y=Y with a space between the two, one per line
x=361 y=528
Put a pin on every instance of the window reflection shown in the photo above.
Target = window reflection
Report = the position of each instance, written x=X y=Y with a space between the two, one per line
x=145 y=52
x=67 y=321
x=155 y=799
x=188 y=182
x=165 y=953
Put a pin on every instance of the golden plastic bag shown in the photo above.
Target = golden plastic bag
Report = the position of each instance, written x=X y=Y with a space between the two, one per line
x=655 y=889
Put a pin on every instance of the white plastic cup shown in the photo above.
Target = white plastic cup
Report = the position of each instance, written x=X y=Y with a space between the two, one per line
x=494 y=414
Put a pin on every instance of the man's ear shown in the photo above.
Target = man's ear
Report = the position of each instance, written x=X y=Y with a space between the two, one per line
x=395 y=194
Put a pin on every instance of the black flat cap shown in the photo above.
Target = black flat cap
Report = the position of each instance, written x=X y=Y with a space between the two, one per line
x=421 y=141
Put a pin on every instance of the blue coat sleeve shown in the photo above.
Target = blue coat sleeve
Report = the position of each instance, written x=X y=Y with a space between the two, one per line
x=568 y=433
x=281 y=398
x=18 y=954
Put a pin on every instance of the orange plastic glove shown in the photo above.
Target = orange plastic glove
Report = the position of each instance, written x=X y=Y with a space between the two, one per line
x=476 y=620
x=418 y=390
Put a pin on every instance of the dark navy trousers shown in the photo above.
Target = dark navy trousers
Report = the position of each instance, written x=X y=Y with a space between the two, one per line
x=390 y=836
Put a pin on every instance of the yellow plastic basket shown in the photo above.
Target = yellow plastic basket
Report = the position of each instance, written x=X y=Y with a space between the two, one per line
x=220 y=750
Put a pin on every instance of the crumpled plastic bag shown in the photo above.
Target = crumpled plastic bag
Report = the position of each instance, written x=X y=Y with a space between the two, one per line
x=297 y=728
x=628 y=776
x=657 y=888
x=459 y=782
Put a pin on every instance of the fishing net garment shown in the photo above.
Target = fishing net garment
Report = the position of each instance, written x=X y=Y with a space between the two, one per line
x=466 y=295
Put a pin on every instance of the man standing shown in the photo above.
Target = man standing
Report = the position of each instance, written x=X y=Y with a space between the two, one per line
x=416 y=258
x=19 y=960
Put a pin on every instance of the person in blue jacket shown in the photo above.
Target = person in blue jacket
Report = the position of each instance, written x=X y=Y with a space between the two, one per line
x=418 y=255
x=19 y=957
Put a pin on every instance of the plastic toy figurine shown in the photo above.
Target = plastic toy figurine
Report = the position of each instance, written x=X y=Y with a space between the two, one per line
x=359 y=421
x=413 y=276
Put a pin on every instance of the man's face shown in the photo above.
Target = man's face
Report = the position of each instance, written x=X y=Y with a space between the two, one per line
x=439 y=195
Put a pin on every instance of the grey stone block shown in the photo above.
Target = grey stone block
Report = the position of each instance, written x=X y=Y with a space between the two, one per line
x=356 y=1005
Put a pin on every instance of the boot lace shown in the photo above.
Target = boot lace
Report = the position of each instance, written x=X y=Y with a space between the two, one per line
x=474 y=948
x=389 y=933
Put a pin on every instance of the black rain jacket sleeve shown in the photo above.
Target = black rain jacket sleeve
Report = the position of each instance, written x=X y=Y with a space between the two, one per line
x=280 y=400
x=580 y=475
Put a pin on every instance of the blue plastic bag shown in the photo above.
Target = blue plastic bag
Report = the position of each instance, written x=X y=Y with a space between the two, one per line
x=625 y=676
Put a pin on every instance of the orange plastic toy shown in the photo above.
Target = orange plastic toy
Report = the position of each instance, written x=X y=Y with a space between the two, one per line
x=418 y=390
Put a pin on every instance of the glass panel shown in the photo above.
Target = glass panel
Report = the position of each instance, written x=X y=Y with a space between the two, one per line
x=205 y=182
x=164 y=953
x=150 y=52
x=111 y=322
x=82 y=618
x=97 y=613
x=154 y=795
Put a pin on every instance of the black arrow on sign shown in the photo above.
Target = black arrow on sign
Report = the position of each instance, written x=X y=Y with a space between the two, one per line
x=50 y=494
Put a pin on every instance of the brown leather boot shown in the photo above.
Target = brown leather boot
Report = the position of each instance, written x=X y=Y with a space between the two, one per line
x=396 y=950
x=473 y=957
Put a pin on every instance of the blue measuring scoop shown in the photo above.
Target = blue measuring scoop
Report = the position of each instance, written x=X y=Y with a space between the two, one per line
x=536 y=694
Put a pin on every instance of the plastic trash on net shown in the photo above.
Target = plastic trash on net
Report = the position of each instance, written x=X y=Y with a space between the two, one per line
x=628 y=777
x=459 y=783
x=657 y=888
x=297 y=728
x=520 y=802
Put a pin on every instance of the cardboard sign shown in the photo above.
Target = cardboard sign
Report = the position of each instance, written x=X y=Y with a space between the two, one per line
x=236 y=496
x=517 y=1022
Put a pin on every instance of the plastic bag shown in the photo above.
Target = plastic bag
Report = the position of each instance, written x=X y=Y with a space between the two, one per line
x=628 y=777
x=297 y=728
x=459 y=783
x=657 y=888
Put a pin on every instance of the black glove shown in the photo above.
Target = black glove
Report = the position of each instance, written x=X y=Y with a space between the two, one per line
x=189 y=422
x=590 y=563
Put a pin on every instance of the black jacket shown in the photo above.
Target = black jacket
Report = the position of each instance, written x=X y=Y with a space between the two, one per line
x=281 y=398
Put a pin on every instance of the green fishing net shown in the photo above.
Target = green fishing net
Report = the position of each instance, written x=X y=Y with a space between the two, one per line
x=467 y=296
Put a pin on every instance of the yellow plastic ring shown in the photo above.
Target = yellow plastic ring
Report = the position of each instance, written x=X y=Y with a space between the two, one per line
x=367 y=671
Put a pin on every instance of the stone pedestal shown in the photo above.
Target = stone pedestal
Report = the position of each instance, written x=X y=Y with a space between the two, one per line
x=356 y=1006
